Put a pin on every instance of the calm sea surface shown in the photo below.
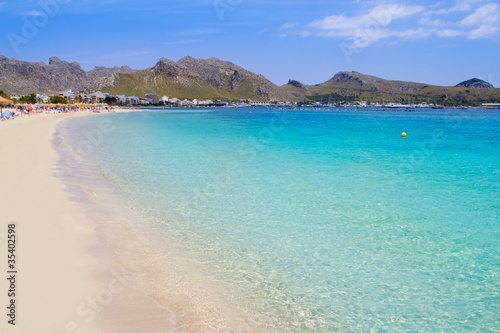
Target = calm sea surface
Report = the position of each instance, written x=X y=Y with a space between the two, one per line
x=321 y=220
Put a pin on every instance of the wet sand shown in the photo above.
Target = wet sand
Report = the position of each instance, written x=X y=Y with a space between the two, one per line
x=66 y=280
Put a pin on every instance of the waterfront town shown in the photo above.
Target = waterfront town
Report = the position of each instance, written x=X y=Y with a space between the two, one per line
x=70 y=98
x=150 y=99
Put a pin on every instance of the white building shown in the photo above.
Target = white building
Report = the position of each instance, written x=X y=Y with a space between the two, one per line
x=133 y=100
x=97 y=97
x=260 y=103
x=205 y=102
x=121 y=99
x=42 y=98
x=69 y=95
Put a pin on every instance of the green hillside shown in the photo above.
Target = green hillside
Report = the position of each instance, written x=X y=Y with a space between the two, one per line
x=351 y=86
x=198 y=79
x=143 y=82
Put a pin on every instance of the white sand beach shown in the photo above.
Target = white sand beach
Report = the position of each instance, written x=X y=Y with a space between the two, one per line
x=65 y=281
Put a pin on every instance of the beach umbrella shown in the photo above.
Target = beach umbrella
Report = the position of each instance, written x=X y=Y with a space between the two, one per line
x=7 y=114
x=4 y=101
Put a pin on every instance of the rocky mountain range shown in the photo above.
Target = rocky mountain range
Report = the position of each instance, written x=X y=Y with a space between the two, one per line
x=198 y=78
x=351 y=86
x=216 y=79
x=27 y=77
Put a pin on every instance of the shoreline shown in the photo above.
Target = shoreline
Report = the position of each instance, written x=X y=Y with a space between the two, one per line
x=92 y=260
x=67 y=281
x=163 y=273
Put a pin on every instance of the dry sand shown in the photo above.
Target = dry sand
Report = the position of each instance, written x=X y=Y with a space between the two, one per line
x=66 y=281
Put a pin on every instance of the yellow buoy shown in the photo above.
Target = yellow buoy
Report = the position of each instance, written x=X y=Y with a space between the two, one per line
x=403 y=135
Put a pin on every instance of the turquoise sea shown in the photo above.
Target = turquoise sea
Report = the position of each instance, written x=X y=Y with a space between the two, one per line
x=319 y=220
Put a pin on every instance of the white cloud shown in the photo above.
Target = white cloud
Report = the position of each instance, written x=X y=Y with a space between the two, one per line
x=381 y=15
x=471 y=19
x=464 y=5
x=449 y=33
x=413 y=33
x=366 y=38
x=290 y=25
x=483 y=21
x=365 y=29
x=396 y=11
x=487 y=14
x=483 y=31
x=32 y=13
x=460 y=6
x=428 y=21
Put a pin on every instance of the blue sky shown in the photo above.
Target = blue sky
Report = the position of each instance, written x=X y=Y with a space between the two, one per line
x=440 y=43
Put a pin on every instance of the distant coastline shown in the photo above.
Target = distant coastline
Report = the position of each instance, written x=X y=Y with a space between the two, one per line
x=213 y=81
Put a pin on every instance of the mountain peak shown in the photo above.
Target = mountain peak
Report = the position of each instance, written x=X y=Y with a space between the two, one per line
x=186 y=59
x=213 y=61
x=201 y=78
x=348 y=77
x=168 y=67
x=217 y=60
x=297 y=84
x=54 y=60
x=475 y=83
x=126 y=68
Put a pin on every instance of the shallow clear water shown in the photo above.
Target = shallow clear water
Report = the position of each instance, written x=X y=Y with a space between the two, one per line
x=321 y=220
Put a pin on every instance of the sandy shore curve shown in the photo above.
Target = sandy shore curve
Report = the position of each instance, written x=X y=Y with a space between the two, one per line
x=65 y=280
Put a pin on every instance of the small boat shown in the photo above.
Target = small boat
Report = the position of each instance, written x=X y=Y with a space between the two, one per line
x=394 y=106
